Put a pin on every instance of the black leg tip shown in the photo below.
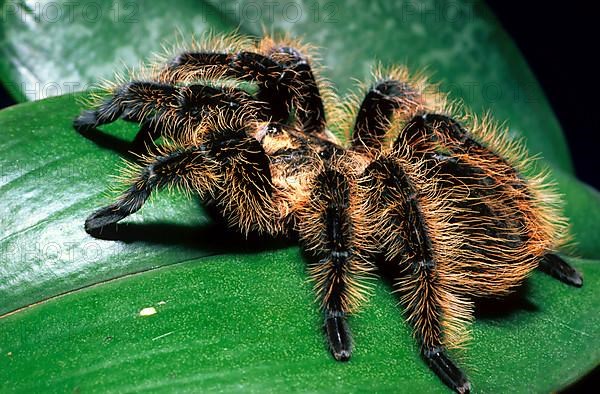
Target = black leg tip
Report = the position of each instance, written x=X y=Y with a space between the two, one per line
x=338 y=336
x=86 y=121
x=556 y=267
x=446 y=369
x=576 y=279
x=102 y=218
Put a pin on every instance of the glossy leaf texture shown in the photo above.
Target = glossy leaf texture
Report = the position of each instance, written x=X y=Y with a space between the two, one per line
x=235 y=314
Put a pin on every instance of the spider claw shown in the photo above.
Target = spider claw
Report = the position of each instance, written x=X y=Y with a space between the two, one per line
x=464 y=389
x=343 y=355
x=338 y=336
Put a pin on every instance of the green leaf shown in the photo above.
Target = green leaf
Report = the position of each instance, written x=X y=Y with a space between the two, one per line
x=232 y=315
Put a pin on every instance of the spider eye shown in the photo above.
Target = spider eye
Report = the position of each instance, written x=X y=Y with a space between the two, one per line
x=273 y=129
x=326 y=153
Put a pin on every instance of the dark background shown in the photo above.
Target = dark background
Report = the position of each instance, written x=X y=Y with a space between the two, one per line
x=558 y=41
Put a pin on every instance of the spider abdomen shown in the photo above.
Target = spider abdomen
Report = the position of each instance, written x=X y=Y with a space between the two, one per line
x=508 y=221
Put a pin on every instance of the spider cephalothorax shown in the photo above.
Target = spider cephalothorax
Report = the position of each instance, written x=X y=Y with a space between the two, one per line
x=440 y=199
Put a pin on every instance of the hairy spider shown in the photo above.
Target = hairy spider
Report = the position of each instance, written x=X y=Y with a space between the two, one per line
x=437 y=197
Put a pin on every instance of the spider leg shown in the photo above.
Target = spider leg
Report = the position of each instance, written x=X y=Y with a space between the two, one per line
x=437 y=359
x=303 y=88
x=283 y=75
x=150 y=131
x=431 y=131
x=133 y=101
x=163 y=109
x=406 y=232
x=227 y=166
x=556 y=267
x=380 y=103
x=326 y=230
x=170 y=168
x=423 y=132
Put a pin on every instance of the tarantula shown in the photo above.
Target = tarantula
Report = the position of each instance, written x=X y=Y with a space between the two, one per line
x=437 y=198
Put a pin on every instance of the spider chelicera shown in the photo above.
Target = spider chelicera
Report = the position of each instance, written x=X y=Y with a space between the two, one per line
x=436 y=198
